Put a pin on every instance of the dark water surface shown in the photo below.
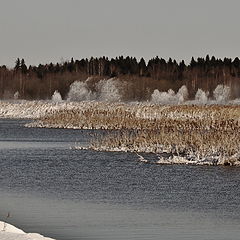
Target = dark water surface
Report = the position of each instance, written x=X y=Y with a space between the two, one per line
x=78 y=194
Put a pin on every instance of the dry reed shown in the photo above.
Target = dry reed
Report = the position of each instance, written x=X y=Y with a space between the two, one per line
x=197 y=132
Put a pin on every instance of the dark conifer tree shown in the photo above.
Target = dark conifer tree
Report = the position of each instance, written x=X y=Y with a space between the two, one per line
x=142 y=67
x=193 y=63
x=23 y=67
x=17 y=64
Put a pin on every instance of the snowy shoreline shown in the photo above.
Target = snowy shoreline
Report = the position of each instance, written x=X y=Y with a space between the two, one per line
x=10 y=232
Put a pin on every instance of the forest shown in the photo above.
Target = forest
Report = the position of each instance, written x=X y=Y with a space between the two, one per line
x=140 y=77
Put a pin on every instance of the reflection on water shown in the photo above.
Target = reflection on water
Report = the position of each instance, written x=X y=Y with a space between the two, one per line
x=72 y=194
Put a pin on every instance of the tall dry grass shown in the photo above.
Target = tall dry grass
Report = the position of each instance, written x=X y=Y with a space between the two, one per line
x=196 y=132
x=95 y=115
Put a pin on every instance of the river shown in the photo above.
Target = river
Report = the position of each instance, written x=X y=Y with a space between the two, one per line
x=72 y=194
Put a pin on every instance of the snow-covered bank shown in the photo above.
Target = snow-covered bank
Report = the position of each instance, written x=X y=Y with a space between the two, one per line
x=9 y=232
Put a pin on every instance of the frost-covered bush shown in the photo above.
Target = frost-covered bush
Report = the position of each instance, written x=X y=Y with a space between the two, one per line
x=201 y=97
x=221 y=93
x=163 y=97
x=79 y=91
x=170 y=97
x=108 y=90
x=16 y=95
x=104 y=90
x=183 y=93
x=56 y=97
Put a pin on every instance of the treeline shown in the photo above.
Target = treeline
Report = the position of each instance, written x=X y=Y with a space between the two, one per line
x=39 y=82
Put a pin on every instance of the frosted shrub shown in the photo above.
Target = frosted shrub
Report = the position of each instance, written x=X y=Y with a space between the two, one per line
x=155 y=96
x=162 y=97
x=16 y=95
x=221 y=93
x=183 y=93
x=201 y=97
x=56 y=97
x=104 y=90
x=171 y=92
x=108 y=90
x=79 y=91
x=170 y=97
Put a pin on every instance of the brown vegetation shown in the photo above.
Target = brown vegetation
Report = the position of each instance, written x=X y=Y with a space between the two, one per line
x=193 y=131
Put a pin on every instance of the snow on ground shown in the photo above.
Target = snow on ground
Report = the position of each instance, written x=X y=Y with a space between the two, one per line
x=32 y=109
x=9 y=232
x=36 y=109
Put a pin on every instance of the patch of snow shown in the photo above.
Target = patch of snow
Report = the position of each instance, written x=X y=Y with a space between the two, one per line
x=9 y=232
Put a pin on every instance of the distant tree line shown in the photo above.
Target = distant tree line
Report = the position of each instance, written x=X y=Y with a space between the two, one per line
x=39 y=82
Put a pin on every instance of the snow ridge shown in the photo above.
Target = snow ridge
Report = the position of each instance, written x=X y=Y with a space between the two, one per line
x=9 y=232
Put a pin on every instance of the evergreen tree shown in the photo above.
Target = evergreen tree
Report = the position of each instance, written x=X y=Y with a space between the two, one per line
x=207 y=59
x=17 y=64
x=23 y=67
x=142 y=67
x=193 y=63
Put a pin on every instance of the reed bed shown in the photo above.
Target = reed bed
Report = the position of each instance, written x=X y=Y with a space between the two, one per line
x=212 y=146
x=95 y=115
x=197 y=133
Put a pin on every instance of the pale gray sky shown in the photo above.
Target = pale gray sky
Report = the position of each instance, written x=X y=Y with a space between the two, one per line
x=42 y=31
